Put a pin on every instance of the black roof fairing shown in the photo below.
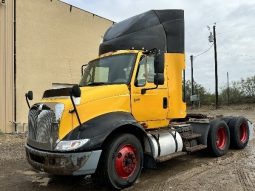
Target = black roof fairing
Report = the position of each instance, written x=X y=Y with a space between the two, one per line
x=161 y=29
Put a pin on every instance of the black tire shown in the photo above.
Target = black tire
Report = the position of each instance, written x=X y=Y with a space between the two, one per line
x=218 y=138
x=124 y=148
x=227 y=119
x=239 y=132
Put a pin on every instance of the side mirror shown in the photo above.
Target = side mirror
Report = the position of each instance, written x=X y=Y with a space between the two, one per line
x=76 y=91
x=159 y=79
x=159 y=63
x=29 y=95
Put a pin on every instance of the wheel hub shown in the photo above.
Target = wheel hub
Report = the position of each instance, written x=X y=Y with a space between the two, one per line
x=243 y=133
x=221 y=138
x=126 y=161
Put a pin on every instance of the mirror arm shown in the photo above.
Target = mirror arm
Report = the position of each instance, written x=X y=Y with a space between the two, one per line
x=75 y=109
x=143 y=91
x=82 y=69
x=27 y=102
x=151 y=51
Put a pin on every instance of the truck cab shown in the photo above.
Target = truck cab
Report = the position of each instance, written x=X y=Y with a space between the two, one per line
x=140 y=77
x=127 y=111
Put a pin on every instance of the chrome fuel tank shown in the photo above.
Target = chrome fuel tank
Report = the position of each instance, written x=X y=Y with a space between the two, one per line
x=163 y=143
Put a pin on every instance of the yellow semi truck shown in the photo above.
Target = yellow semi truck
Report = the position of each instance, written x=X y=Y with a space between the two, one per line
x=127 y=112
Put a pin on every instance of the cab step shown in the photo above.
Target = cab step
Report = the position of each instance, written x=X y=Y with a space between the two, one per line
x=191 y=136
x=196 y=148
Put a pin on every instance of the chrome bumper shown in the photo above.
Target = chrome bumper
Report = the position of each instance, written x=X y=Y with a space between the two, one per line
x=81 y=163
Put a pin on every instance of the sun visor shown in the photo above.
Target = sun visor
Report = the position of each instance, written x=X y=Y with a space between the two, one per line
x=161 y=29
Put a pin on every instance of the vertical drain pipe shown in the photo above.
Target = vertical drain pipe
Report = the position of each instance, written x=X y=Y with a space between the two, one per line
x=14 y=63
x=5 y=65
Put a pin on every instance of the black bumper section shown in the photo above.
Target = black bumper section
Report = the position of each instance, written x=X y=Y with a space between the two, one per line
x=80 y=163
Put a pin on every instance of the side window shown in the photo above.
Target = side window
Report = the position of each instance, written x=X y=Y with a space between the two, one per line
x=87 y=76
x=150 y=69
x=145 y=71
x=141 y=76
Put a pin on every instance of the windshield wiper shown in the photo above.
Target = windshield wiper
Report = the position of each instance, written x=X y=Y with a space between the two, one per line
x=96 y=83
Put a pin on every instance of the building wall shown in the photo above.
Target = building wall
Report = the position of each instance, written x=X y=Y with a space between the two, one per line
x=53 y=40
x=6 y=67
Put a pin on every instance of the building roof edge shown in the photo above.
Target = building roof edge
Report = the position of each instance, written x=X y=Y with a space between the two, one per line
x=86 y=11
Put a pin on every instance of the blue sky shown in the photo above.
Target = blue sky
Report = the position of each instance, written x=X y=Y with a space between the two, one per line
x=235 y=28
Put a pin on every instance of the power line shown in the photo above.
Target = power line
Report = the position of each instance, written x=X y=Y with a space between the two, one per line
x=219 y=21
x=232 y=54
x=205 y=51
x=248 y=29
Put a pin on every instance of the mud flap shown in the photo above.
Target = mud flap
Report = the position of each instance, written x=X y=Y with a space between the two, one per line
x=251 y=129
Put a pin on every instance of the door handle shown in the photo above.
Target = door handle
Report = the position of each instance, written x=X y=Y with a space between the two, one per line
x=165 y=102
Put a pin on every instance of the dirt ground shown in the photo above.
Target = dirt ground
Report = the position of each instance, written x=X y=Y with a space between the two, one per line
x=235 y=171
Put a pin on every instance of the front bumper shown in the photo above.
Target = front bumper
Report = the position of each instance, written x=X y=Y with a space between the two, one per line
x=81 y=163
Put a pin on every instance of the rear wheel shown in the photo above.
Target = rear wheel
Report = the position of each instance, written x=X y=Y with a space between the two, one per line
x=239 y=132
x=218 y=138
x=121 y=162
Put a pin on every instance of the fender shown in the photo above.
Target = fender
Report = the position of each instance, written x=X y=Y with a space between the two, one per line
x=100 y=127
x=203 y=129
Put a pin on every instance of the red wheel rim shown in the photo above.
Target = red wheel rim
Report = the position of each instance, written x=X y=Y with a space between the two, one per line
x=243 y=132
x=126 y=161
x=221 y=138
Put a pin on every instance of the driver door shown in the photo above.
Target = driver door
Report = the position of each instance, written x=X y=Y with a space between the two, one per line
x=150 y=108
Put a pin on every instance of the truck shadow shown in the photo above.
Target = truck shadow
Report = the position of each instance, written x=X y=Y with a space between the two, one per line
x=71 y=183
x=163 y=172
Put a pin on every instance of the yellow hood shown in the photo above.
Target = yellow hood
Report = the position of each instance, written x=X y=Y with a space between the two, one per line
x=94 y=101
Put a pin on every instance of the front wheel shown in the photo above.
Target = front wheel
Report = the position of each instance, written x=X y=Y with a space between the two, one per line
x=121 y=162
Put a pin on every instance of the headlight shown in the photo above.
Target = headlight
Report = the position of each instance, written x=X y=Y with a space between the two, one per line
x=70 y=145
x=59 y=108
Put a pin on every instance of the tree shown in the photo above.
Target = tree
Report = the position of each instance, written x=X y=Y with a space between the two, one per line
x=198 y=90
x=242 y=91
x=235 y=94
x=248 y=86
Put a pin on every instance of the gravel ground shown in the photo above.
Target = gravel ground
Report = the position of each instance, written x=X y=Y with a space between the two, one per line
x=235 y=171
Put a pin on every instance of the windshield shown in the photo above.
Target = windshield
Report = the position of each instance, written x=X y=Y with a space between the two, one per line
x=109 y=70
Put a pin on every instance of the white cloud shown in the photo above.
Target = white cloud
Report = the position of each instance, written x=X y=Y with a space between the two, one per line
x=235 y=32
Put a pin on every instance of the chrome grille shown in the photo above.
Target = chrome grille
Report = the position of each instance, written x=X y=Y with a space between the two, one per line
x=32 y=119
x=45 y=121
x=42 y=127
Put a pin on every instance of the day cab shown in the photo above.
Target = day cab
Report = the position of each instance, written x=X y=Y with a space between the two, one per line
x=127 y=111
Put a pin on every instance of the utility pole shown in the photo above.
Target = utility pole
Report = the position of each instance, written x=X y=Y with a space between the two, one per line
x=192 y=78
x=228 y=87
x=216 y=67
